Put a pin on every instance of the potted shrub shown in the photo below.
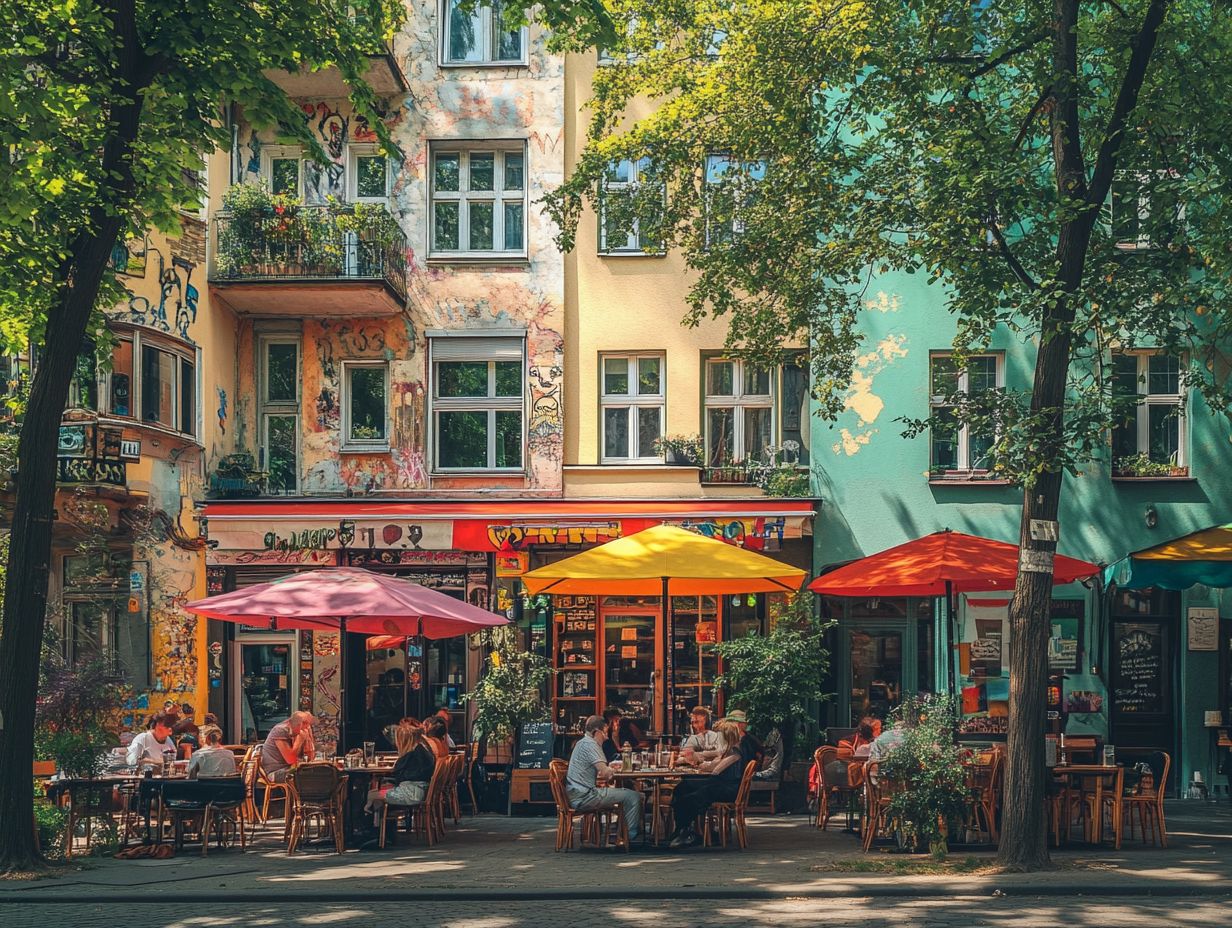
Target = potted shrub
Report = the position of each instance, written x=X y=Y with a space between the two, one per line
x=511 y=690
x=1141 y=465
x=681 y=450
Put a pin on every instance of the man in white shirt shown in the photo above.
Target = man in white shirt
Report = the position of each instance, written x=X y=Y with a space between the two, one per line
x=587 y=768
x=149 y=747
x=886 y=742
x=211 y=760
x=704 y=742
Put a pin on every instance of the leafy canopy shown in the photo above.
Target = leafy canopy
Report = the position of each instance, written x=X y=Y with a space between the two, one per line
x=916 y=136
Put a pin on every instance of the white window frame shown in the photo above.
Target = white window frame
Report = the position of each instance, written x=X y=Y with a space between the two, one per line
x=363 y=445
x=737 y=224
x=465 y=197
x=962 y=441
x=279 y=408
x=633 y=246
x=272 y=153
x=488 y=40
x=1143 y=241
x=632 y=402
x=177 y=349
x=1146 y=400
x=738 y=402
x=354 y=153
x=489 y=350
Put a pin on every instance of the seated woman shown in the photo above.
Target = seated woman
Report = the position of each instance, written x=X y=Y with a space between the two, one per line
x=434 y=731
x=848 y=769
x=695 y=794
x=408 y=782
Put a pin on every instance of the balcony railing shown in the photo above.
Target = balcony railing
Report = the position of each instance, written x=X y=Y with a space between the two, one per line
x=328 y=243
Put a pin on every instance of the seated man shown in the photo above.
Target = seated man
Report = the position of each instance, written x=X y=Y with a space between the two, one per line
x=287 y=744
x=151 y=747
x=213 y=760
x=704 y=743
x=587 y=769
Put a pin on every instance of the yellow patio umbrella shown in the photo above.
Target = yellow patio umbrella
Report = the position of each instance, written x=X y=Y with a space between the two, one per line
x=664 y=561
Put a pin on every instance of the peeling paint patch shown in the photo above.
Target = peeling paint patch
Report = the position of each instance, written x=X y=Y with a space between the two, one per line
x=849 y=443
x=884 y=302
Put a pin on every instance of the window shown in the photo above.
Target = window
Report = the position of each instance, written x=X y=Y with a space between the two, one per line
x=632 y=406
x=1155 y=433
x=364 y=406
x=739 y=412
x=368 y=175
x=152 y=379
x=480 y=37
x=1134 y=198
x=477 y=403
x=954 y=445
x=97 y=625
x=730 y=187
x=631 y=215
x=279 y=395
x=478 y=201
x=282 y=169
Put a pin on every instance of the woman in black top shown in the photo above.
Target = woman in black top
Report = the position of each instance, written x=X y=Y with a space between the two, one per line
x=621 y=731
x=407 y=783
x=695 y=794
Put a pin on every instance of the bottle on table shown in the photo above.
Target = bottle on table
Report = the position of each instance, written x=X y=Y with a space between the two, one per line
x=626 y=757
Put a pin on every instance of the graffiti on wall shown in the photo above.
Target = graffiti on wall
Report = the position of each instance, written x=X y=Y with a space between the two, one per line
x=175 y=308
x=222 y=410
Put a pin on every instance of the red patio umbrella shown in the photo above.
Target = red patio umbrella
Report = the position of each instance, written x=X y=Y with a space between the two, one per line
x=940 y=564
x=348 y=599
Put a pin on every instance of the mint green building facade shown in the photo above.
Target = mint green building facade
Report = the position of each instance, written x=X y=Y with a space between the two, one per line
x=1127 y=669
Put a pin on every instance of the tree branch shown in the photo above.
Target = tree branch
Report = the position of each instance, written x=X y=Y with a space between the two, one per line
x=1143 y=45
x=990 y=64
x=1007 y=253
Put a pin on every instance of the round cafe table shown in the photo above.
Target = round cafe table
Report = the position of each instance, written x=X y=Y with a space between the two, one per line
x=658 y=776
x=1090 y=779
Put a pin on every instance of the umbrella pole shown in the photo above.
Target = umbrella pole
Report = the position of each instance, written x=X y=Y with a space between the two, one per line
x=342 y=685
x=669 y=678
x=950 y=630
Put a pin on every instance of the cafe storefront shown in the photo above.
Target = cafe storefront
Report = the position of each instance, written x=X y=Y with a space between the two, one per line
x=609 y=651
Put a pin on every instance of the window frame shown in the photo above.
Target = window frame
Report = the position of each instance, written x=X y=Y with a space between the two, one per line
x=489 y=40
x=738 y=401
x=1146 y=399
x=267 y=409
x=464 y=197
x=710 y=189
x=631 y=402
x=354 y=153
x=627 y=251
x=183 y=353
x=350 y=444
x=272 y=153
x=1142 y=242
x=489 y=404
x=962 y=442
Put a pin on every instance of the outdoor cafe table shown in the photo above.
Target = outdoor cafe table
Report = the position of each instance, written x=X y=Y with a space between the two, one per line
x=1084 y=773
x=359 y=781
x=658 y=776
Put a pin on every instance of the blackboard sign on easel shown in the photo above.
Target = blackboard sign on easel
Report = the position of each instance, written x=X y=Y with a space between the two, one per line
x=535 y=743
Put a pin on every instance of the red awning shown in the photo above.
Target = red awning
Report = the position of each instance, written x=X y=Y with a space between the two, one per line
x=939 y=563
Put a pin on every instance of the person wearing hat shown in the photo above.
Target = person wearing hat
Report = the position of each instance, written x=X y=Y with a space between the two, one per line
x=750 y=747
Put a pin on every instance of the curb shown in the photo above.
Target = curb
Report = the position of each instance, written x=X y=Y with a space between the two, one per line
x=924 y=891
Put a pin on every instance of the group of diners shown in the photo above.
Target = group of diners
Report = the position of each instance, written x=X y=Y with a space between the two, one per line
x=721 y=752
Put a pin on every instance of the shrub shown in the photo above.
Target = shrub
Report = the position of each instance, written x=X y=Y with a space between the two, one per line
x=510 y=693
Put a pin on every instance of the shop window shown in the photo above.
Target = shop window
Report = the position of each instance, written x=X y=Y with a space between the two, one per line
x=279 y=412
x=478 y=403
x=1150 y=441
x=631 y=209
x=956 y=447
x=479 y=36
x=478 y=200
x=632 y=407
x=365 y=405
x=739 y=423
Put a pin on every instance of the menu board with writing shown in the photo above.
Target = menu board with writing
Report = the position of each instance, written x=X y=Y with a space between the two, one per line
x=535 y=745
x=1138 y=684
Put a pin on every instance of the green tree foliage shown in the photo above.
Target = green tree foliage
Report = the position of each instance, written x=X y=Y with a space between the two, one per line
x=1059 y=170
x=776 y=678
x=511 y=689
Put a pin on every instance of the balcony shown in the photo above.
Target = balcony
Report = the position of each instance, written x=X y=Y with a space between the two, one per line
x=383 y=75
x=311 y=261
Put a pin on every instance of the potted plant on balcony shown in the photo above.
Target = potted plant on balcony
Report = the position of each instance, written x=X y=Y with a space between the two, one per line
x=680 y=450
x=241 y=238
x=374 y=231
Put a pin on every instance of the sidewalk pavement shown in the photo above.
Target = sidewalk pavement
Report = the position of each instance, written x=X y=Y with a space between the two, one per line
x=497 y=858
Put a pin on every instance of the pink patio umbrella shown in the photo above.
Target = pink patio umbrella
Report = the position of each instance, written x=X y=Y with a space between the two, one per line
x=348 y=599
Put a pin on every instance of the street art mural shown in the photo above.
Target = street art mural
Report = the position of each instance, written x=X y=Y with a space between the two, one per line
x=525 y=296
x=172 y=306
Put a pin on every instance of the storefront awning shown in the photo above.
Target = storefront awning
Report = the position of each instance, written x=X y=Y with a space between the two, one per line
x=490 y=525
x=1200 y=557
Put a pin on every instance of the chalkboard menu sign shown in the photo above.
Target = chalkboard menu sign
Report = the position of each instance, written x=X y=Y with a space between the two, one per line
x=1139 y=684
x=535 y=743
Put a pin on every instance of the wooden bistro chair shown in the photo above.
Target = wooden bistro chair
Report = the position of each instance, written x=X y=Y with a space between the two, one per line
x=983 y=786
x=315 y=791
x=728 y=814
x=1147 y=802
x=250 y=770
x=831 y=796
x=420 y=815
x=271 y=790
x=1109 y=800
x=598 y=825
x=457 y=766
x=878 y=794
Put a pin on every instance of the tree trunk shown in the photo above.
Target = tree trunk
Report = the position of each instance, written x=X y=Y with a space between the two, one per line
x=25 y=602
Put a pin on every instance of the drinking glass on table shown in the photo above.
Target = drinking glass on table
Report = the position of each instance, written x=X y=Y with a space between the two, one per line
x=369 y=752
